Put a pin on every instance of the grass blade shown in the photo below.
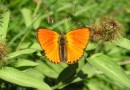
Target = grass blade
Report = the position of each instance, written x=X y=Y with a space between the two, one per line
x=21 y=52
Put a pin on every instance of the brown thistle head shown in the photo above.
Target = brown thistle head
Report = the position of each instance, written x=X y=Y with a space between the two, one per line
x=106 y=29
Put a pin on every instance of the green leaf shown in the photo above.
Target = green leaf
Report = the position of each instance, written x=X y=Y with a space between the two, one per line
x=110 y=68
x=46 y=70
x=17 y=77
x=49 y=69
x=21 y=52
x=67 y=75
x=24 y=62
x=123 y=42
x=4 y=24
x=89 y=70
x=35 y=73
x=27 y=16
x=91 y=46
x=37 y=22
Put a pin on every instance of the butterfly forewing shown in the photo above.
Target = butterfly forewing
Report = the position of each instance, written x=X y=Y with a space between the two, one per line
x=76 y=43
x=48 y=40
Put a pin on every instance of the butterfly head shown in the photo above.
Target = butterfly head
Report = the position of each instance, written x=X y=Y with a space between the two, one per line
x=62 y=39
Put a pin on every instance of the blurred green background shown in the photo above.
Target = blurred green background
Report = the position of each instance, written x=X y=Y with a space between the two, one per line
x=104 y=66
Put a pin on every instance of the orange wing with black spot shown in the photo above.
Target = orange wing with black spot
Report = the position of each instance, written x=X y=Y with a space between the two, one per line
x=48 y=40
x=77 y=41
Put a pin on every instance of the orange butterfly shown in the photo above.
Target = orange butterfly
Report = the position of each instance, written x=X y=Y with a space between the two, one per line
x=67 y=48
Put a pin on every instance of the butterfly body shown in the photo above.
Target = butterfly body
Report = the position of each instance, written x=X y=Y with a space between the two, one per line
x=68 y=48
x=62 y=48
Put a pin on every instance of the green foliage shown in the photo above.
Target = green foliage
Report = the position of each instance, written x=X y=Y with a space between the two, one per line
x=110 y=68
x=15 y=76
x=25 y=66
x=4 y=24
x=123 y=42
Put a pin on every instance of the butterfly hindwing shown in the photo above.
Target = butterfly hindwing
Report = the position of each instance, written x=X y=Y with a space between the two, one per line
x=76 y=43
x=48 y=40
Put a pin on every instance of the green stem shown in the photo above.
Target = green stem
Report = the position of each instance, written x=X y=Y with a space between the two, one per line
x=37 y=7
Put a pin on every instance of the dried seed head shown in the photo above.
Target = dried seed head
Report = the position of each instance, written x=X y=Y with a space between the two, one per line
x=3 y=53
x=106 y=29
x=3 y=50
